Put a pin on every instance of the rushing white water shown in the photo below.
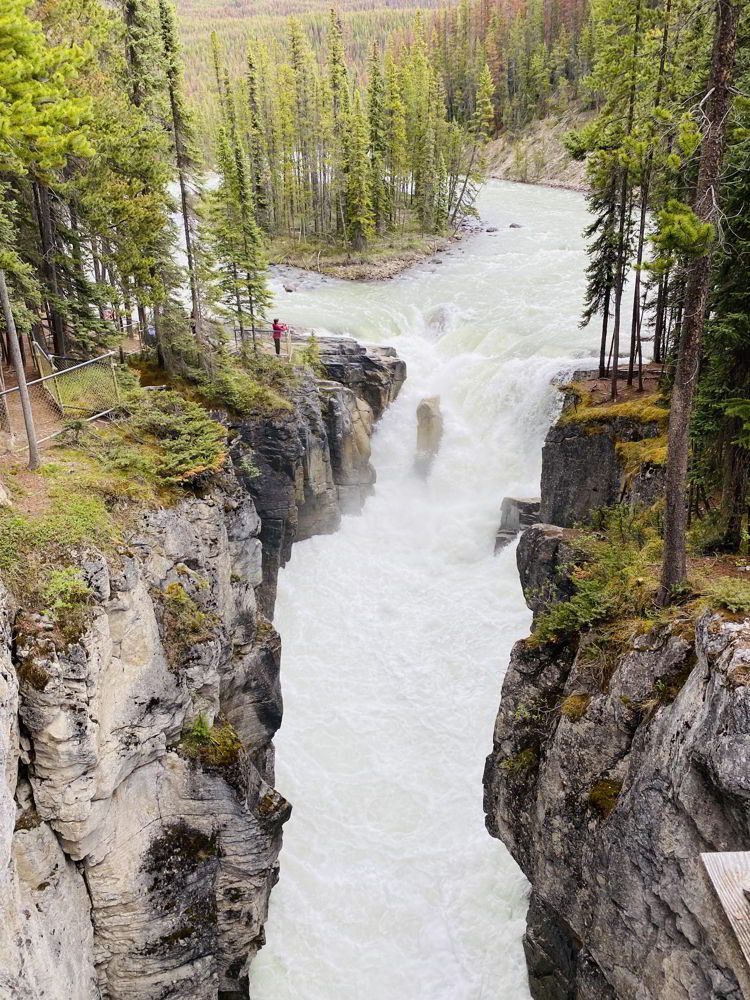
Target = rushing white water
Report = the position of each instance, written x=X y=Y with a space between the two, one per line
x=396 y=630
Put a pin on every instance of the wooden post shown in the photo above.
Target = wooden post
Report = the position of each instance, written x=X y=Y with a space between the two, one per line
x=23 y=392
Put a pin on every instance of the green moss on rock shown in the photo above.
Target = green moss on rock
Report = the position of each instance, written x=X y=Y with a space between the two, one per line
x=575 y=705
x=603 y=796
x=213 y=746
x=525 y=760
x=183 y=623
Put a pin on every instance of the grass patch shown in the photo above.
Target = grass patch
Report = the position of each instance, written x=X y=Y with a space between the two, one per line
x=575 y=705
x=32 y=673
x=67 y=602
x=523 y=762
x=247 y=383
x=729 y=594
x=651 y=408
x=95 y=483
x=183 y=624
x=598 y=656
x=589 y=605
x=263 y=628
x=616 y=580
x=37 y=562
x=649 y=451
x=603 y=796
x=212 y=746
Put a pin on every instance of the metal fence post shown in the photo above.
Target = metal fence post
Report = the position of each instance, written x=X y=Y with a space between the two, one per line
x=114 y=376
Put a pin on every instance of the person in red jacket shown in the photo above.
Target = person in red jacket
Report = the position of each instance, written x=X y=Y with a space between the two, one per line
x=277 y=330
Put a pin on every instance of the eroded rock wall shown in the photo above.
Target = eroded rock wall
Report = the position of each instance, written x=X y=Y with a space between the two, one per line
x=607 y=798
x=311 y=464
x=147 y=874
x=129 y=870
x=611 y=773
x=582 y=469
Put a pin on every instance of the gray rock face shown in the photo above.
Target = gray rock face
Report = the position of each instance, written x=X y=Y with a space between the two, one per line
x=129 y=870
x=349 y=422
x=374 y=374
x=606 y=781
x=515 y=515
x=175 y=860
x=313 y=462
x=544 y=556
x=582 y=471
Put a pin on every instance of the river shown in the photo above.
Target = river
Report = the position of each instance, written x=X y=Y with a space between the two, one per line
x=397 y=629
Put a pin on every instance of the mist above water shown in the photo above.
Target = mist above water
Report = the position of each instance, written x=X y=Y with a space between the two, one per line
x=397 y=630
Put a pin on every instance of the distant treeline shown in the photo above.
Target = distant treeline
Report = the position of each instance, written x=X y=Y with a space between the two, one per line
x=538 y=52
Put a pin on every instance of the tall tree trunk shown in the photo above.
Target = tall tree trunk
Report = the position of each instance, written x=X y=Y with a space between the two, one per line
x=674 y=567
x=252 y=313
x=238 y=302
x=49 y=266
x=15 y=356
x=619 y=283
x=128 y=309
x=143 y=322
x=603 y=366
x=660 y=314
x=98 y=277
x=734 y=491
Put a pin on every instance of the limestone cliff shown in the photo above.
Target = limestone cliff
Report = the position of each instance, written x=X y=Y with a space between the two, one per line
x=611 y=773
x=591 y=459
x=132 y=867
x=311 y=464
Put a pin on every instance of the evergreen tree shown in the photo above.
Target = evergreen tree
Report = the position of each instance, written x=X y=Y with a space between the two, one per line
x=376 y=113
x=359 y=215
x=184 y=136
x=706 y=207
x=256 y=144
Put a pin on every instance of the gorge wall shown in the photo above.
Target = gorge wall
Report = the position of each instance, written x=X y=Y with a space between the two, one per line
x=608 y=780
x=132 y=868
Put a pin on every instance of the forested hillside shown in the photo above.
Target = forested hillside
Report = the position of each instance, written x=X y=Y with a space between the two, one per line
x=316 y=143
x=538 y=52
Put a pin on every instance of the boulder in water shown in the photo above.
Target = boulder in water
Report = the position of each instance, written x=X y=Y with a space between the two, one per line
x=515 y=515
x=429 y=433
x=515 y=225
x=491 y=229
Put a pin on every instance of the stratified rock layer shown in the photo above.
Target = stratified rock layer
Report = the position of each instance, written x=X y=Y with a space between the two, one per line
x=581 y=469
x=175 y=861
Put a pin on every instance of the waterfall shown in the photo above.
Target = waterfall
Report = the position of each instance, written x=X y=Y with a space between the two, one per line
x=396 y=630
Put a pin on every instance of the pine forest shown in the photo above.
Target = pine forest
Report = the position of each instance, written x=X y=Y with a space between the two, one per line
x=124 y=137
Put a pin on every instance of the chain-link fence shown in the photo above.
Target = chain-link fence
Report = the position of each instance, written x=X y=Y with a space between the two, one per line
x=82 y=389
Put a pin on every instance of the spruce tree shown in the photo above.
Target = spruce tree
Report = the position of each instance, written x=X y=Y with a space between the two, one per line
x=376 y=114
x=359 y=214
x=706 y=209
x=184 y=138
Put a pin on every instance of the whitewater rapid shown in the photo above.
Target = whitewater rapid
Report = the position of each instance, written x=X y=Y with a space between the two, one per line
x=397 y=630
